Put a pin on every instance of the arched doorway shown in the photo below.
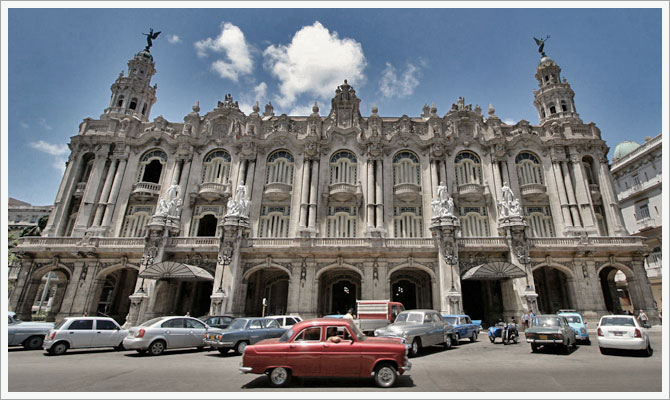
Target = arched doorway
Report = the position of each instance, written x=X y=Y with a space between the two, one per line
x=552 y=289
x=615 y=290
x=110 y=296
x=207 y=225
x=45 y=295
x=338 y=291
x=412 y=287
x=270 y=284
x=483 y=300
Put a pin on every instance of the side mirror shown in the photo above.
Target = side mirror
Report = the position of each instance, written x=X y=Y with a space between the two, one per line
x=117 y=328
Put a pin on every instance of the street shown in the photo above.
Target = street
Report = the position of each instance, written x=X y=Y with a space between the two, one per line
x=479 y=366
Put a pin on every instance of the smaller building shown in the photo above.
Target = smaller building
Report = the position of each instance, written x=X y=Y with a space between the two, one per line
x=637 y=173
x=22 y=215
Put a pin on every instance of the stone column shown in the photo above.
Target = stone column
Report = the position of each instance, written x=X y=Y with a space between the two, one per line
x=610 y=203
x=497 y=179
x=242 y=173
x=104 y=196
x=313 y=194
x=186 y=212
x=63 y=197
x=558 y=181
x=434 y=177
x=114 y=194
x=304 y=193
x=90 y=195
x=640 y=291
x=571 y=196
x=583 y=195
x=370 y=194
x=176 y=172
x=379 y=195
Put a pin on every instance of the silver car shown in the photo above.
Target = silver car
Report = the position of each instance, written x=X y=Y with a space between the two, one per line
x=27 y=334
x=421 y=328
x=172 y=332
x=84 y=332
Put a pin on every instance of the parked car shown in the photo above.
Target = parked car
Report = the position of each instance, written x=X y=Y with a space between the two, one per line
x=169 y=332
x=243 y=332
x=28 y=334
x=286 y=321
x=373 y=314
x=622 y=332
x=83 y=333
x=421 y=328
x=327 y=347
x=464 y=326
x=217 y=321
x=550 y=330
x=577 y=323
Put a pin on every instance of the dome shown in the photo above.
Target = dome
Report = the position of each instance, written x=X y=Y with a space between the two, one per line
x=145 y=54
x=545 y=60
x=624 y=148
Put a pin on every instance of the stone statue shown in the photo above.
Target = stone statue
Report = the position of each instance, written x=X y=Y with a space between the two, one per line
x=443 y=205
x=170 y=204
x=509 y=206
x=540 y=42
x=240 y=205
x=150 y=36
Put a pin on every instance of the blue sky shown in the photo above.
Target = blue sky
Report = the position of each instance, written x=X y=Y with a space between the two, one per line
x=62 y=62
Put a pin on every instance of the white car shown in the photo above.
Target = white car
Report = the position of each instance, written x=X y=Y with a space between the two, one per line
x=84 y=332
x=622 y=332
x=286 y=321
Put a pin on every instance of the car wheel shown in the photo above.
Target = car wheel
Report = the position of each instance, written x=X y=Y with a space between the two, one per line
x=492 y=339
x=280 y=377
x=447 y=342
x=416 y=346
x=587 y=341
x=33 y=343
x=240 y=347
x=200 y=348
x=604 y=351
x=385 y=375
x=473 y=338
x=648 y=351
x=224 y=351
x=58 y=349
x=566 y=348
x=119 y=347
x=534 y=347
x=157 y=348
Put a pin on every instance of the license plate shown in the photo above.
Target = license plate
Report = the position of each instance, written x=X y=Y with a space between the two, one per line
x=618 y=333
x=544 y=337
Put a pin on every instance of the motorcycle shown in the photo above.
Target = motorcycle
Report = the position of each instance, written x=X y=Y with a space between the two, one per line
x=508 y=332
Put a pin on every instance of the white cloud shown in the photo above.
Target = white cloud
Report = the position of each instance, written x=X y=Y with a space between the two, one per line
x=260 y=90
x=301 y=110
x=315 y=62
x=43 y=124
x=232 y=45
x=174 y=39
x=59 y=164
x=24 y=125
x=53 y=149
x=247 y=102
x=509 y=121
x=392 y=85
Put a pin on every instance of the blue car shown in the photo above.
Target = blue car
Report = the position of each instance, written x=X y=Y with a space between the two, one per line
x=465 y=328
x=578 y=324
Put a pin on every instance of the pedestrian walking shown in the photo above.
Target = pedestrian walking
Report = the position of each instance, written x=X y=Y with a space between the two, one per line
x=644 y=319
x=525 y=320
x=531 y=318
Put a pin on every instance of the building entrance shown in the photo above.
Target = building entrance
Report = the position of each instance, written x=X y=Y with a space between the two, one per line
x=482 y=299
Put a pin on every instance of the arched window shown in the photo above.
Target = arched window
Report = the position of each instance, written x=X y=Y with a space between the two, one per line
x=406 y=168
x=552 y=109
x=468 y=168
x=133 y=104
x=136 y=221
x=119 y=102
x=144 y=109
x=151 y=166
x=343 y=167
x=274 y=221
x=564 y=106
x=474 y=221
x=279 y=167
x=207 y=225
x=407 y=222
x=543 y=113
x=540 y=221
x=107 y=296
x=528 y=169
x=587 y=162
x=87 y=167
x=341 y=222
x=216 y=167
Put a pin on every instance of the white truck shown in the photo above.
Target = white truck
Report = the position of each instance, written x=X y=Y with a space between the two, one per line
x=373 y=314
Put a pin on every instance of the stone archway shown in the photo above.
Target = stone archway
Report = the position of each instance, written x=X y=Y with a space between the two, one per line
x=45 y=294
x=111 y=290
x=271 y=284
x=412 y=287
x=552 y=286
x=339 y=288
x=616 y=293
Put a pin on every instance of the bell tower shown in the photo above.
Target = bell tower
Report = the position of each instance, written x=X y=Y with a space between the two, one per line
x=555 y=100
x=132 y=94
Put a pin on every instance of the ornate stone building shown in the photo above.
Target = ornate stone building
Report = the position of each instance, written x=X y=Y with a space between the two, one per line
x=455 y=212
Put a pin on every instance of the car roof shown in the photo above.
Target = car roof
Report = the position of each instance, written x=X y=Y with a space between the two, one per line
x=423 y=310
x=569 y=313
x=323 y=322
x=454 y=315
x=617 y=316
x=105 y=318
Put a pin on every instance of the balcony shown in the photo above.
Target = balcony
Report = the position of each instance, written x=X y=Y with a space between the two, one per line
x=79 y=189
x=407 y=191
x=277 y=191
x=646 y=223
x=211 y=191
x=533 y=191
x=594 y=188
x=470 y=191
x=146 y=190
x=343 y=192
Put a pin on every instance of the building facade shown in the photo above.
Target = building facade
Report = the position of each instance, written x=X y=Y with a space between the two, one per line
x=22 y=215
x=637 y=172
x=230 y=213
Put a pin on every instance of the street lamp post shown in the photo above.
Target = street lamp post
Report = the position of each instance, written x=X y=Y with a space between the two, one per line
x=224 y=259
x=452 y=259
x=147 y=260
x=524 y=258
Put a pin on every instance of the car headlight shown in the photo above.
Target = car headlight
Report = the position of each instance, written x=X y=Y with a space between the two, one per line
x=583 y=331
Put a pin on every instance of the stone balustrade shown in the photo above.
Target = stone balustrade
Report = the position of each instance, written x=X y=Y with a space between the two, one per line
x=407 y=191
x=146 y=189
x=533 y=190
x=213 y=190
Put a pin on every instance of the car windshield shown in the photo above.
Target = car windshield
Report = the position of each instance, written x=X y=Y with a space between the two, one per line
x=617 y=321
x=151 y=321
x=286 y=335
x=409 y=317
x=357 y=331
x=573 y=319
x=546 y=321
x=238 y=324
x=451 y=320
x=58 y=325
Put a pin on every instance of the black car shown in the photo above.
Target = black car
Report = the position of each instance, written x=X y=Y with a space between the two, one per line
x=217 y=321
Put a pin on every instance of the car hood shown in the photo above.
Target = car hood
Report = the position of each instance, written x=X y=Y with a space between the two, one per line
x=372 y=339
x=35 y=325
x=537 y=329
x=576 y=325
x=399 y=327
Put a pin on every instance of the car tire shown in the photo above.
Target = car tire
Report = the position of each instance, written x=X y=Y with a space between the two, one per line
x=587 y=342
x=492 y=339
x=58 y=349
x=473 y=338
x=119 y=347
x=566 y=348
x=604 y=351
x=156 y=348
x=534 y=347
x=224 y=351
x=648 y=351
x=240 y=347
x=416 y=347
x=279 y=377
x=447 y=342
x=200 y=348
x=385 y=375
x=33 y=343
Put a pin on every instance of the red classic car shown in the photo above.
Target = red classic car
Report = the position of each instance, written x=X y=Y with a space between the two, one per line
x=327 y=347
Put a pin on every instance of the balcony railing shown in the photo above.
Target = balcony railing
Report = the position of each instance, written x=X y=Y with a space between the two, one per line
x=146 y=189
x=214 y=191
x=482 y=242
x=533 y=190
x=407 y=191
x=470 y=189
x=343 y=191
x=277 y=191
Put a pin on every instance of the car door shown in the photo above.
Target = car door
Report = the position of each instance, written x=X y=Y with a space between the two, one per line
x=80 y=333
x=255 y=331
x=466 y=331
x=106 y=333
x=11 y=330
x=342 y=358
x=436 y=327
x=305 y=352
x=272 y=329
x=175 y=332
x=196 y=332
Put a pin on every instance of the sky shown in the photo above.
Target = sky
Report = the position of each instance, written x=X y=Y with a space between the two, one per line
x=61 y=64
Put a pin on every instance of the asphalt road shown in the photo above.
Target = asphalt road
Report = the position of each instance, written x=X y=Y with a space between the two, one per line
x=479 y=366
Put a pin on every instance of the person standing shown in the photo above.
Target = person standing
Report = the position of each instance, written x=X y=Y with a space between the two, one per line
x=531 y=317
x=644 y=318
x=525 y=320
x=349 y=314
